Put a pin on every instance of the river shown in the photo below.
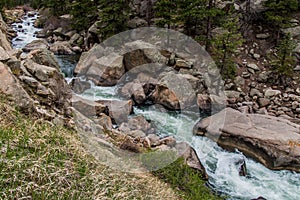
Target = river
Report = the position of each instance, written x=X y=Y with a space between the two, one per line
x=220 y=164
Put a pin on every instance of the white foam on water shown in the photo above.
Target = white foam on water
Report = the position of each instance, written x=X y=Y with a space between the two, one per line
x=27 y=33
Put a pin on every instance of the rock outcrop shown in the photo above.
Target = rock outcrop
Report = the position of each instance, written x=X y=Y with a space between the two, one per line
x=4 y=43
x=11 y=86
x=274 y=142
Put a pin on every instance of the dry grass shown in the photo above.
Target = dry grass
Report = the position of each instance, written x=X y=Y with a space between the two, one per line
x=42 y=161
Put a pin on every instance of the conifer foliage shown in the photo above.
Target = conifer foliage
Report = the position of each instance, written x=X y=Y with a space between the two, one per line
x=114 y=15
x=284 y=61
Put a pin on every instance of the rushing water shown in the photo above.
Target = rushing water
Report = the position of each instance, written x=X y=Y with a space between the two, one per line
x=25 y=30
x=220 y=165
x=26 y=33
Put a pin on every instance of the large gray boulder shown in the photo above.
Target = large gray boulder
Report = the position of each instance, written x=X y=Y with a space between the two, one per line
x=87 y=59
x=118 y=110
x=53 y=90
x=44 y=57
x=36 y=44
x=140 y=53
x=275 y=142
x=62 y=48
x=174 y=92
x=107 y=70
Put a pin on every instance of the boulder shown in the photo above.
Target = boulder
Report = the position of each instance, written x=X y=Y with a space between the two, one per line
x=54 y=88
x=204 y=102
x=30 y=81
x=297 y=68
x=62 y=48
x=129 y=144
x=271 y=93
x=255 y=92
x=107 y=70
x=270 y=140
x=253 y=66
x=4 y=42
x=174 y=92
x=180 y=63
x=263 y=102
x=88 y=108
x=134 y=90
x=136 y=123
x=15 y=65
x=263 y=76
x=118 y=110
x=41 y=72
x=4 y=56
x=88 y=58
x=11 y=87
x=59 y=32
x=168 y=141
x=73 y=40
x=79 y=86
x=190 y=157
x=140 y=53
x=137 y=22
x=294 y=31
x=36 y=44
x=104 y=121
x=44 y=57
x=262 y=36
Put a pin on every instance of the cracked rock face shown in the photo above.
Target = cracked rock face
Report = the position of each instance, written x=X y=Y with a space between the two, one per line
x=274 y=142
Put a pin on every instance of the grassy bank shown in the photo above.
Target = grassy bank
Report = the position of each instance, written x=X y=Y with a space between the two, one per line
x=41 y=161
x=186 y=180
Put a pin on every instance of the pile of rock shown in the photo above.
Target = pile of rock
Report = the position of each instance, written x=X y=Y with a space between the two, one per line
x=34 y=81
x=133 y=134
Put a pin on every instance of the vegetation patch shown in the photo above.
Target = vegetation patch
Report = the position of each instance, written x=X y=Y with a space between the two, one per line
x=41 y=161
x=186 y=180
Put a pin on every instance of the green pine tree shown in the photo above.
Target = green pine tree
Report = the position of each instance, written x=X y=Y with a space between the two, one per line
x=279 y=12
x=166 y=10
x=114 y=15
x=284 y=61
x=192 y=13
x=84 y=13
x=224 y=46
x=57 y=7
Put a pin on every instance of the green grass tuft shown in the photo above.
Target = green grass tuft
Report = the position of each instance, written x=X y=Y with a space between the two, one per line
x=186 y=180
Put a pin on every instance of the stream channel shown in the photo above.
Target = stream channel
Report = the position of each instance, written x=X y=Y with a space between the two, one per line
x=220 y=164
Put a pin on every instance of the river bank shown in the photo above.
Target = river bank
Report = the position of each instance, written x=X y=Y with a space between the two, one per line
x=35 y=84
